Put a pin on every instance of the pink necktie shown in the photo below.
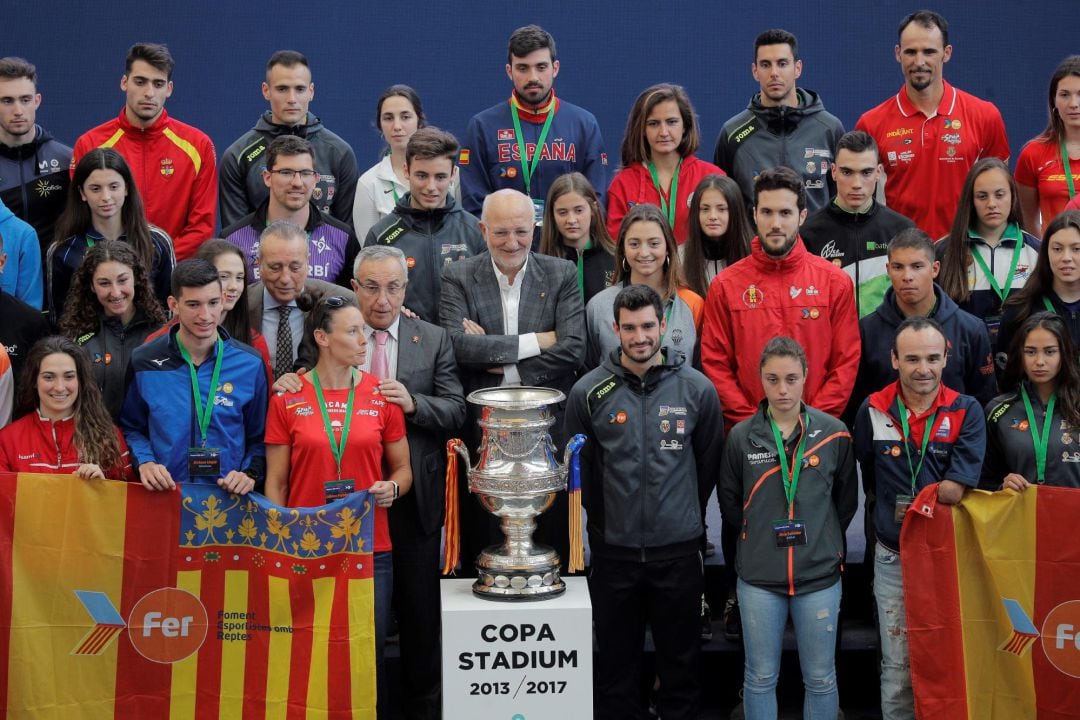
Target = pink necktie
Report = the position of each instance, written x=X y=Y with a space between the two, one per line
x=379 y=365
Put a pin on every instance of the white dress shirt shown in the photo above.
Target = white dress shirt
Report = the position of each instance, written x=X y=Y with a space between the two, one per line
x=528 y=345
x=391 y=347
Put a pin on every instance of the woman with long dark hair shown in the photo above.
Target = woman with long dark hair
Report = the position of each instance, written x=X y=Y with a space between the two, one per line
x=719 y=232
x=986 y=256
x=574 y=229
x=1054 y=285
x=111 y=310
x=1033 y=429
x=62 y=425
x=104 y=204
x=1048 y=169
x=658 y=162
x=646 y=254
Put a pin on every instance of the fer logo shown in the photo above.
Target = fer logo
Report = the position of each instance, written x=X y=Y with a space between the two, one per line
x=167 y=625
x=1061 y=637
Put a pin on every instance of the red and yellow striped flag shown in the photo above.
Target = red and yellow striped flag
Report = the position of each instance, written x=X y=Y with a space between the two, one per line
x=992 y=593
x=120 y=603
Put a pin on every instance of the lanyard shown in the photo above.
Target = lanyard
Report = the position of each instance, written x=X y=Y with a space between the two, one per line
x=1002 y=294
x=528 y=170
x=1041 y=441
x=203 y=412
x=790 y=475
x=915 y=469
x=667 y=206
x=581 y=267
x=1068 y=169
x=1049 y=305
x=337 y=448
x=393 y=189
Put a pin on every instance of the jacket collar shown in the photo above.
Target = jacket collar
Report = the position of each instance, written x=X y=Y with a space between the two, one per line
x=158 y=127
x=789 y=262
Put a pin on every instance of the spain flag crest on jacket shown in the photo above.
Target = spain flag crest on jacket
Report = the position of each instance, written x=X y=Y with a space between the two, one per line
x=116 y=602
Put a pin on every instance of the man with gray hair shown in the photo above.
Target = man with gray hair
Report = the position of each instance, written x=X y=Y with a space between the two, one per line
x=280 y=301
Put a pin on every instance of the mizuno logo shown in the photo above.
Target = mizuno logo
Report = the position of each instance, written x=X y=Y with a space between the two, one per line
x=159 y=361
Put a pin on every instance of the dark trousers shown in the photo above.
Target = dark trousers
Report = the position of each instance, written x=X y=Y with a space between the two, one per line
x=627 y=596
x=416 y=598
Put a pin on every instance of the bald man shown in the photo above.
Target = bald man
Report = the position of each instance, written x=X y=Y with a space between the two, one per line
x=280 y=301
x=515 y=318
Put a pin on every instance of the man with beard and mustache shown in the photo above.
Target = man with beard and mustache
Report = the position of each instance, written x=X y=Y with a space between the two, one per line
x=556 y=137
x=654 y=438
x=780 y=289
x=912 y=433
x=930 y=134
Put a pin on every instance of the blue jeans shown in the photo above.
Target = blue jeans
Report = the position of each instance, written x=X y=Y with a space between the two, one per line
x=897 y=702
x=814 y=616
x=384 y=592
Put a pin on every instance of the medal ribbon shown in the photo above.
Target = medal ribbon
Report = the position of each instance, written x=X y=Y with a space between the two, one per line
x=914 y=469
x=1002 y=294
x=528 y=170
x=1068 y=169
x=337 y=448
x=1041 y=441
x=203 y=412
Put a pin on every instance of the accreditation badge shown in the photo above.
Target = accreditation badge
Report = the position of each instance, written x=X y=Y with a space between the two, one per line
x=789 y=533
x=903 y=502
x=204 y=462
x=538 y=212
x=337 y=489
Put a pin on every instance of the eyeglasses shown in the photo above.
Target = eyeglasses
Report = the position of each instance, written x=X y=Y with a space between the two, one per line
x=289 y=173
x=371 y=289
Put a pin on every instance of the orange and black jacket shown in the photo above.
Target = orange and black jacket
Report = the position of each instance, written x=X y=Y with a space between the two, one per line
x=751 y=493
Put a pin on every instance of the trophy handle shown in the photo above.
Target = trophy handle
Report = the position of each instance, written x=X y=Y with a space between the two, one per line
x=573 y=448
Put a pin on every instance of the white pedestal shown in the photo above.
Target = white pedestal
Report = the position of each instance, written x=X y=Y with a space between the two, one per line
x=527 y=660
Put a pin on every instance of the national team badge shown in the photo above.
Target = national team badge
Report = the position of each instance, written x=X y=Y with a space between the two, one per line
x=167 y=167
x=463 y=157
x=316 y=194
x=753 y=297
x=810 y=166
x=680 y=427
x=506 y=134
x=617 y=417
x=951 y=152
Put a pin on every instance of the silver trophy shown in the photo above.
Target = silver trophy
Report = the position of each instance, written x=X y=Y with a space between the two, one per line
x=516 y=478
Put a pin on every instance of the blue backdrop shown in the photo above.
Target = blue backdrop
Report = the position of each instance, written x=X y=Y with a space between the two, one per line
x=454 y=53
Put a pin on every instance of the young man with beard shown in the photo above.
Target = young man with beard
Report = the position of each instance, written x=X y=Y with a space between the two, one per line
x=654 y=436
x=780 y=289
x=930 y=134
x=528 y=141
x=427 y=224
x=912 y=433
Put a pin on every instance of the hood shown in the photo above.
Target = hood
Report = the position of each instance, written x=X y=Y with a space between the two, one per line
x=789 y=262
x=267 y=127
x=435 y=216
x=783 y=118
x=945 y=309
x=21 y=152
x=5 y=212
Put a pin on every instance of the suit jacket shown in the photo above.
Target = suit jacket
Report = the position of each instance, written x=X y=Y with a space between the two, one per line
x=314 y=290
x=550 y=300
x=426 y=367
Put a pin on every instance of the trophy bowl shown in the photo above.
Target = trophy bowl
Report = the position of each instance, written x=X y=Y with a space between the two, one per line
x=516 y=478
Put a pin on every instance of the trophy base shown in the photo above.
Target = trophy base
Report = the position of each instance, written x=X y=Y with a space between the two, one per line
x=514 y=578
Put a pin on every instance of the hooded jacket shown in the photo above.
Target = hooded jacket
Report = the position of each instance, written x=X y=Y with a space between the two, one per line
x=969 y=369
x=752 y=497
x=242 y=188
x=175 y=169
x=758 y=298
x=431 y=240
x=109 y=349
x=22 y=273
x=802 y=138
x=34 y=180
x=647 y=465
x=859 y=244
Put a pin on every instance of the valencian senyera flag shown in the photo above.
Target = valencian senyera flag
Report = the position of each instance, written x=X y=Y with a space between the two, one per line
x=116 y=602
x=992 y=592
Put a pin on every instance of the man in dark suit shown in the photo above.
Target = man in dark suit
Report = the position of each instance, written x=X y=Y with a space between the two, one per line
x=280 y=302
x=516 y=318
x=416 y=361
